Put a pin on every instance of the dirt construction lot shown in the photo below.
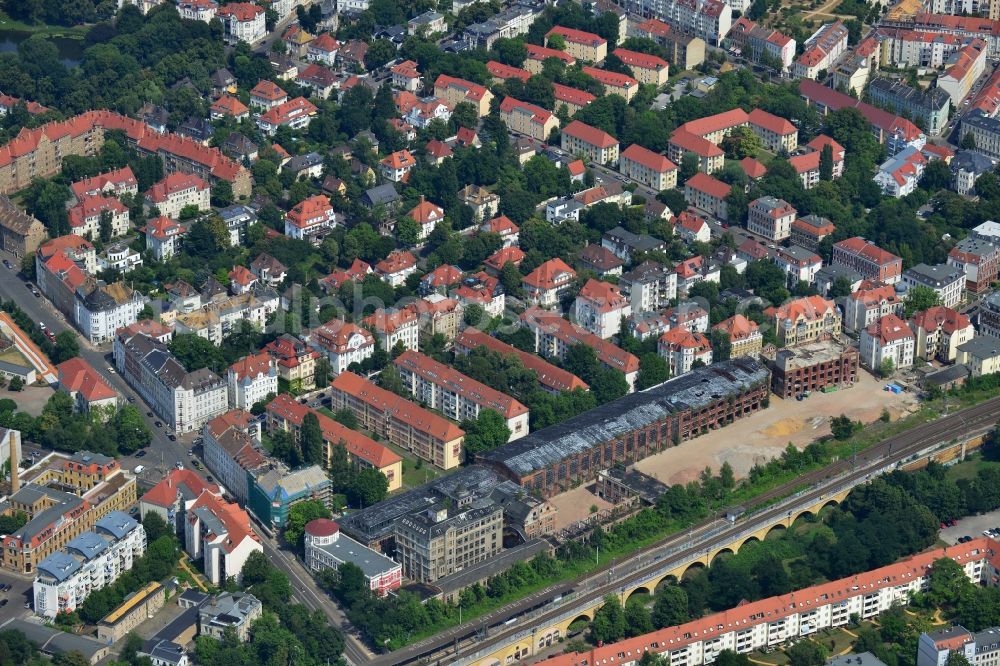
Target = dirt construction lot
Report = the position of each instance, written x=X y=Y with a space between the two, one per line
x=765 y=435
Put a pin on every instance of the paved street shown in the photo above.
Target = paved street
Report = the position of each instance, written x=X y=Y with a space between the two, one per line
x=163 y=453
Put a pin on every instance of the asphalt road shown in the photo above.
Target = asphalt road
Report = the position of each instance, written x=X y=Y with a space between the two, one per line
x=494 y=631
x=163 y=454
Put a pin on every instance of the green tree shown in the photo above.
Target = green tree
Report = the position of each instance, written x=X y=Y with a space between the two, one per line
x=368 y=487
x=842 y=427
x=947 y=582
x=486 y=432
x=968 y=141
x=806 y=653
x=256 y=568
x=637 y=618
x=670 y=607
x=918 y=299
x=105 y=228
x=826 y=163
x=557 y=42
x=887 y=368
x=722 y=346
x=67 y=346
x=155 y=526
x=311 y=440
x=195 y=352
x=130 y=430
x=653 y=370
x=841 y=287
x=464 y=115
x=407 y=231
x=609 y=623
x=299 y=515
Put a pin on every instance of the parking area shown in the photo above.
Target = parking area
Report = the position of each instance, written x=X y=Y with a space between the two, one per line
x=12 y=600
x=973 y=526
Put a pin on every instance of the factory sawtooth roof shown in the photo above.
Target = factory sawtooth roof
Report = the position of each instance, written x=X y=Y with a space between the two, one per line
x=692 y=390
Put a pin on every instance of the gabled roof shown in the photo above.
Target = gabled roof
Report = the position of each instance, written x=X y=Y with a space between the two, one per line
x=577 y=36
x=648 y=158
x=76 y=375
x=502 y=71
x=713 y=187
x=229 y=106
x=545 y=276
x=590 y=135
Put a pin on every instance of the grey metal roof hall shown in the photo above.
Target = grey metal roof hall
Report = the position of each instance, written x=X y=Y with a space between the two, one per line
x=690 y=391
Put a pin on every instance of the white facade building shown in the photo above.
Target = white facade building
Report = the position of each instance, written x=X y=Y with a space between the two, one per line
x=89 y=562
x=251 y=380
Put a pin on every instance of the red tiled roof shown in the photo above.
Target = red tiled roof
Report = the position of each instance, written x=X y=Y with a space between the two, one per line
x=693 y=143
x=738 y=327
x=76 y=375
x=568 y=95
x=549 y=376
x=714 y=188
x=939 y=316
x=267 y=90
x=307 y=210
x=604 y=296
x=399 y=260
x=397 y=407
x=807 y=307
x=377 y=455
x=544 y=277
x=536 y=52
x=475 y=392
x=609 y=354
x=771 y=122
x=326 y=42
x=234 y=519
x=119 y=178
x=502 y=71
x=230 y=106
x=174 y=183
x=538 y=114
x=241 y=11
x=716 y=123
x=90 y=206
x=242 y=276
x=590 y=135
x=890 y=328
x=753 y=168
x=612 y=79
x=648 y=158
x=473 y=91
x=252 y=366
x=640 y=60
x=285 y=111
x=577 y=36
x=164 y=493
x=500 y=258
x=775 y=609
x=859 y=246
x=834 y=100
x=162 y=228
x=400 y=159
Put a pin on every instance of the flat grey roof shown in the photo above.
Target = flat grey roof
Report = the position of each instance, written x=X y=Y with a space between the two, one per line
x=346 y=549
x=692 y=390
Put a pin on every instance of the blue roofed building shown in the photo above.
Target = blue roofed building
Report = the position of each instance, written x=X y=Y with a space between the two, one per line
x=89 y=562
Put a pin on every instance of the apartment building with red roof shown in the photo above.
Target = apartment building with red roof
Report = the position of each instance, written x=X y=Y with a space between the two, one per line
x=550 y=377
x=647 y=69
x=711 y=158
x=85 y=216
x=761 y=624
x=504 y=227
x=406 y=75
x=395 y=268
x=174 y=494
x=776 y=133
x=343 y=343
x=596 y=145
x=242 y=22
x=822 y=50
x=178 y=191
x=580 y=44
x=396 y=166
x=870 y=302
x=267 y=94
x=614 y=82
x=228 y=106
x=648 y=168
x=310 y=219
x=528 y=119
x=888 y=339
x=285 y=413
x=555 y=335
x=219 y=533
x=506 y=255
x=806 y=164
x=965 y=67
x=296 y=362
x=866 y=258
x=938 y=331
x=547 y=284
x=771 y=218
x=804 y=320
x=392 y=326
x=295 y=114
x=251 y=380
x=753 y=41
x=600 y=307
x=680 y=348
x=684 y=49
x=323 y=49
x=894 y=131
x=691 y=228
x=715 y=128
x=708 y=194
x=116 y=183
x=571 y=97
x=501 y=72
x=537 y=55
x=456 y=395
x=426 y=434
x=809 y=230
x=90 y=392
x=455 y=91
x=745 y=338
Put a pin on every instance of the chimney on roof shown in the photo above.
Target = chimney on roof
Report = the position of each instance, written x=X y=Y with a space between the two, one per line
x=15 y=460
